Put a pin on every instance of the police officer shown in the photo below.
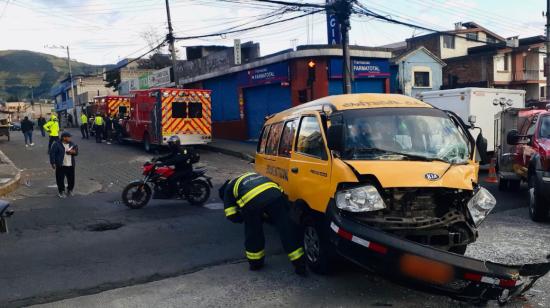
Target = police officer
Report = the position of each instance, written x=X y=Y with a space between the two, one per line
x=99 y=123
x=249 y=198
x=84 y=126
x=52 y=128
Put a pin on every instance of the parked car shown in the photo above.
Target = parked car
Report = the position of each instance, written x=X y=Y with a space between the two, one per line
x=531 y=158
x=15 y=126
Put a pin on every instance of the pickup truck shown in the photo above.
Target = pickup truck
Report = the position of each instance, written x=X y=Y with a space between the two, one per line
x=529 y=159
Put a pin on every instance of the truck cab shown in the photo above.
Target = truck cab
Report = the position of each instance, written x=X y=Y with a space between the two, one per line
x=531 y=158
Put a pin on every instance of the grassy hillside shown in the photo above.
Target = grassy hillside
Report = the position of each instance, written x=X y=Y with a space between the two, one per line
x=19 y=69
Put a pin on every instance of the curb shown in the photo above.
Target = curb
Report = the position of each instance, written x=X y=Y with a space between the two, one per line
x=13 y=183
x=226 y=151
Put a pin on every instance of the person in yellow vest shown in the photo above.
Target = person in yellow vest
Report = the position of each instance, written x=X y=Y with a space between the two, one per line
x=52 y=128
x=84 y=126
x=99 y=124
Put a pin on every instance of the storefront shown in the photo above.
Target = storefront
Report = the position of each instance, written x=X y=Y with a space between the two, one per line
x=369 y=76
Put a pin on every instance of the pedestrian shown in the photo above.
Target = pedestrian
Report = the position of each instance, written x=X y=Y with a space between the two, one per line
x=248 y=199
x=91 y=125
x=41 y=121
x=70 y=120
x=62 y=159
x=108 y=128
x=84 y=126
x=52 y=128
x=99 y=124
x=27 y=127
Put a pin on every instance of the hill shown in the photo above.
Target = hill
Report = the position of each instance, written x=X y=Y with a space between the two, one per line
x=20 y=69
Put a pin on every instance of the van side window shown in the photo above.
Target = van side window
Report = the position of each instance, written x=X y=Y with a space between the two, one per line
x=285 y=145
x=310 y=139
x=273 y=139
x=263 y=139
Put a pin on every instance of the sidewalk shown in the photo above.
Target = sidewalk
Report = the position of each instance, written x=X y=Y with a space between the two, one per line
x=9 y=175
x=241 y=149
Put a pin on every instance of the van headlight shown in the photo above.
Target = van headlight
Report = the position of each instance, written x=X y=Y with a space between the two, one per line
x=360 y=199
x=481 y=204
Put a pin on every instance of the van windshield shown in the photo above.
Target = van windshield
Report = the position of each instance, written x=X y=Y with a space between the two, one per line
x=404 y=134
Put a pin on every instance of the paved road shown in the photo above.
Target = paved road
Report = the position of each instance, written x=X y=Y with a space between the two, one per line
x=62 y=249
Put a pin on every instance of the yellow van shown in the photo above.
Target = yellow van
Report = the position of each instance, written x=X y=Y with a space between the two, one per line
x=374 y=175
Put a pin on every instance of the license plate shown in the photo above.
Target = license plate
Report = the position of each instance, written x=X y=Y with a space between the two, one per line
x=426 y=270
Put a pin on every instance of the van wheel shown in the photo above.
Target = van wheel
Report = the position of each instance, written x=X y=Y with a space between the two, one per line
x=319 y=251
x=147 y=143
x=538 y=209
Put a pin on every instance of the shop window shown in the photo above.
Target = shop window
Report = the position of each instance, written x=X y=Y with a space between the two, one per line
x=449 y=41
x=263 y=138
x=273 y=139
x=310 y=139
x=422 y=79
x=179 y=110
x=286 y=140
x=195 y=110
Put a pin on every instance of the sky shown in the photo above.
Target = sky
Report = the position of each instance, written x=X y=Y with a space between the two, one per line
x=106 y=31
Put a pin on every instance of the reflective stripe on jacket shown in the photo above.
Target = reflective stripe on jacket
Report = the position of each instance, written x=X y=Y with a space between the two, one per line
x=249 y=186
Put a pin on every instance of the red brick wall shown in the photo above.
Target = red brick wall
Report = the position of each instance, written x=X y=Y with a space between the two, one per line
x=299 y=76
x=469 y=70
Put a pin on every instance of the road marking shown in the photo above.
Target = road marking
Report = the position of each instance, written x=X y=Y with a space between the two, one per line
x=214 y=206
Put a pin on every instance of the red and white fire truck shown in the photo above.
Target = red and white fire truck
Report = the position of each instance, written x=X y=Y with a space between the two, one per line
x=114 y=106
x=157 y=114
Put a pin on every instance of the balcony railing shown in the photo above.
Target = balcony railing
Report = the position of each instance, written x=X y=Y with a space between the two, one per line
x=526 y=75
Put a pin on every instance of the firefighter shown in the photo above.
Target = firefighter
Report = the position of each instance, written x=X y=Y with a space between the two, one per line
x=99 y=123
x=52 y=128
x=249 y=198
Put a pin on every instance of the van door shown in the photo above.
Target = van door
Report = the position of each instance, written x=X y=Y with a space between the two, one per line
x=309 y=167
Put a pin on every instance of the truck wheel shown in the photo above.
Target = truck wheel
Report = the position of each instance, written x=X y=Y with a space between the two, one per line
x=319 y=251
x=538 y=210
x=147 y=143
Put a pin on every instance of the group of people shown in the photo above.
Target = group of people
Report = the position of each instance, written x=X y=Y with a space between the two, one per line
x=104 y=127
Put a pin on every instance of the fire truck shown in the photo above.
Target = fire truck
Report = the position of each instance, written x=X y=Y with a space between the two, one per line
x=114 y=106
x=157 y=114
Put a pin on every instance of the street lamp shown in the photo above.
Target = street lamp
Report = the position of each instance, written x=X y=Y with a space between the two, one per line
x=70 y=73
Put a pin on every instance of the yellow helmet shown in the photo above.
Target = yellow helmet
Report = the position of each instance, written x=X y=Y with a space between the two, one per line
x=53 y=117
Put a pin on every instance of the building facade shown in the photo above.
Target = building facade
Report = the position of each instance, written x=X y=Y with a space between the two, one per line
x=416 y=71
x=243 y=95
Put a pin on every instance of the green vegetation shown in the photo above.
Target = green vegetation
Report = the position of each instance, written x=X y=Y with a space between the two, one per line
x=20 y=69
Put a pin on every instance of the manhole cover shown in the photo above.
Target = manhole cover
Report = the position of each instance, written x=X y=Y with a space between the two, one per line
x=104 y=226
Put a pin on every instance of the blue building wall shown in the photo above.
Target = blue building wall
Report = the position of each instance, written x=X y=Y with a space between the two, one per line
x=419 y=61
x=225 y=97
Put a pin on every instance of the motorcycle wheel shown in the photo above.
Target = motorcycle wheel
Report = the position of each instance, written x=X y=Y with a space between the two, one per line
x=136 y=195
x=198 y=192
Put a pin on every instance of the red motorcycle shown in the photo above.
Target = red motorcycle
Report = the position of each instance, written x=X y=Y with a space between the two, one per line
x=195 y=188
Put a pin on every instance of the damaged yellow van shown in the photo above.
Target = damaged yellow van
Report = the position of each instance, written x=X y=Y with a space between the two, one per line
x=389 y=182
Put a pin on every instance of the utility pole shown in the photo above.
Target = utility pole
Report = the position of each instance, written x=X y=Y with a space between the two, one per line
x=170 y=39
x=72 y=86
x=342 y=10
x=547 y=64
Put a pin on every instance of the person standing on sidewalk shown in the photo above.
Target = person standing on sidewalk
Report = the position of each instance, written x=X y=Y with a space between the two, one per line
x=41 y=122
x=52 y=128
x=99 y=124
x=84 y=126
x=27 y=127
x=62 y=159
x=108 y=128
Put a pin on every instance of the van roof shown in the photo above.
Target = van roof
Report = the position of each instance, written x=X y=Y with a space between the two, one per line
x=355 y=101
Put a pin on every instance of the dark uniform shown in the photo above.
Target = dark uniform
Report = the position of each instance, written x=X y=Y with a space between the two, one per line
x=248 y=199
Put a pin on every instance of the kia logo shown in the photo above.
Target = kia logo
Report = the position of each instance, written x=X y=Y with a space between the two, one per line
x=431 y=176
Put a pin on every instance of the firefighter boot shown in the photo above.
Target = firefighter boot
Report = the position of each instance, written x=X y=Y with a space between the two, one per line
x=300 y=266
x=256 y=265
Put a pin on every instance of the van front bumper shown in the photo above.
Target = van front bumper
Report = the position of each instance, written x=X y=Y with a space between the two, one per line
x=427 y=268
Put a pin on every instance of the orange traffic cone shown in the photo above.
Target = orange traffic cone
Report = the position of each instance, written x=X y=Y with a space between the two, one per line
x=492 y=177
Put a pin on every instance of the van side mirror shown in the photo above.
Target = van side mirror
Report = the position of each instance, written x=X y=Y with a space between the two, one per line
x=472 y=120
x=481 y=146
x=335 y=137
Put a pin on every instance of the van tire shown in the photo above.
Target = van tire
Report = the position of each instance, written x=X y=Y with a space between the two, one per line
x=319 y=251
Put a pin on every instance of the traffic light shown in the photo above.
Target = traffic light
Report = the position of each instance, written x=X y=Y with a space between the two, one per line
x=311 y=72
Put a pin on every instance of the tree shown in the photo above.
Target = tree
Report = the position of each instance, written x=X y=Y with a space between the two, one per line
x=112 y=79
